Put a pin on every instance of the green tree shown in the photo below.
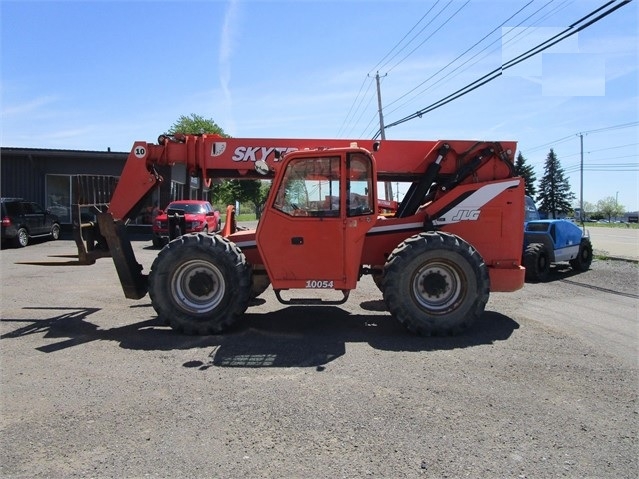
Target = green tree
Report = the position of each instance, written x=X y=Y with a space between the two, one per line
x=554 y=190
x=609 y=207
x=589 y=209
x=225 y=192
x=245 y=191
x=195 y=125
x=527 y=172
x=255 y=193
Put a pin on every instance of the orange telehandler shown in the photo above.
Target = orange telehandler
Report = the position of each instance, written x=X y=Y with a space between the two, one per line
x=455 y=236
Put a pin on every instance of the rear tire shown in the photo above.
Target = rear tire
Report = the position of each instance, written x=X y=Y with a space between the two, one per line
x=584 y=258
x=22 y=238
x=537 y=262
x=200 y=284
x=435 y=283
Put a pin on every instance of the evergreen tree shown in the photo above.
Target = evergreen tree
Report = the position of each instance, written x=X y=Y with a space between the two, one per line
x=554 y=190
x=527 y=172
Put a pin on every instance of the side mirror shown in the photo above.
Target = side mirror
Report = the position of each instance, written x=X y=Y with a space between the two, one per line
x=262 y=168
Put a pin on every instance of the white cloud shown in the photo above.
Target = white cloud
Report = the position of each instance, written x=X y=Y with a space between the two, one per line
x=225 y=56
x=28 y=107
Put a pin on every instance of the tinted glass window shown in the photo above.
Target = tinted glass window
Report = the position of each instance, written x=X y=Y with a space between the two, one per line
x=537 y=227
x=360 y=201
x=188 y=208
x=35 y=208
x=310 y=187
x=13 y=208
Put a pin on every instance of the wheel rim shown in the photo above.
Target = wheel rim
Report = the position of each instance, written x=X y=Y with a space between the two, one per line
x=438 y=287
x=198 y=287
x=23 y=237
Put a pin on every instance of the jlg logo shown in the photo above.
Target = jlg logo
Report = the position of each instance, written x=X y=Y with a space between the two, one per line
x=466 y=215
x=256 y=153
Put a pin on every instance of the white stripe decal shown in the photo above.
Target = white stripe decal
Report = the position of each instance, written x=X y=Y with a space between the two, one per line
x=389 y=228
x=470 y=208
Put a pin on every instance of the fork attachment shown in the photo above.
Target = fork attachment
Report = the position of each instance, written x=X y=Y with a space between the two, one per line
x=134 y=283
x=98 y=235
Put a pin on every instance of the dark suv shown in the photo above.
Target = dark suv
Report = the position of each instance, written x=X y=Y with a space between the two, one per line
x=22 y=220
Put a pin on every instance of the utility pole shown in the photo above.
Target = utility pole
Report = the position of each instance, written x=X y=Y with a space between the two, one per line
x=388 y=187
x=379 y=107
x=581 y=180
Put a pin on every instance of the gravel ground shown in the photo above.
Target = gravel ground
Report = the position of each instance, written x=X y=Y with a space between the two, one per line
x=93 y=386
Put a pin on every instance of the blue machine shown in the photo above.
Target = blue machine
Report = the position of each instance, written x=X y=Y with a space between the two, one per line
x=553 y=241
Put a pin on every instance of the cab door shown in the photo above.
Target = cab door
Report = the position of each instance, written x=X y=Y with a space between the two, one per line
x=320 y=208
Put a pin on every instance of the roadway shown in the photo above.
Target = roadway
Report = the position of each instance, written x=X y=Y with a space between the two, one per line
x=615 y=242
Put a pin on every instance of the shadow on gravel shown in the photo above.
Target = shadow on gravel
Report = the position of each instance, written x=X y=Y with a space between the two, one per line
x=558 y=272
x=290 y=337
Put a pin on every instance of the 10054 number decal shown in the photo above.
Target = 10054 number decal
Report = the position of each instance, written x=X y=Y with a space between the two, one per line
x=315 y=284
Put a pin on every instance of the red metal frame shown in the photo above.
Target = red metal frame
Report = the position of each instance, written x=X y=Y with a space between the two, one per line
x=485 y=207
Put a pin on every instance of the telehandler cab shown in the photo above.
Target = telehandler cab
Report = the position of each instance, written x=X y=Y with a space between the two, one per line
x=454 y=237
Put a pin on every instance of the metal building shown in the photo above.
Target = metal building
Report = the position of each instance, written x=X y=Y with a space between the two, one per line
x=46 y=177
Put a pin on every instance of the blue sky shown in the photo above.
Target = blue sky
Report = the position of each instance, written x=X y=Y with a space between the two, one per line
x=93 y=75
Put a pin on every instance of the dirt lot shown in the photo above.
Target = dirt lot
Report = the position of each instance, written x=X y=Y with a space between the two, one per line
x=92 y=386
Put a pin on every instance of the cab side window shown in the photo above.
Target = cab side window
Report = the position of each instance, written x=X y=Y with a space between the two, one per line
x=359 y=187
x=310 y=187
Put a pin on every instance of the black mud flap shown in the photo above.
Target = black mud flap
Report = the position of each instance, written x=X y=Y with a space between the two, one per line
x=134 y=283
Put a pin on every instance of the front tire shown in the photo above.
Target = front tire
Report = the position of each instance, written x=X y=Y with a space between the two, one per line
x=55 y=232
x=537 y=262
x=584 y=258
x=200 y=284
x=435 y=283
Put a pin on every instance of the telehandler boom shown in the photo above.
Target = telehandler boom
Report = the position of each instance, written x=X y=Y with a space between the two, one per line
x=454 y=237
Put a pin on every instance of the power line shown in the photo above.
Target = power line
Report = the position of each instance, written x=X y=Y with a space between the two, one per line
x=382 y=65
x=460 y=56
x=500 y=39
x=587 y=132
x=609 y=128
x=361 y=100
x=601 y=149
x=433 y=33
x=607 y=166
x=568 y=32
x=351 y=108
x=358 y=101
